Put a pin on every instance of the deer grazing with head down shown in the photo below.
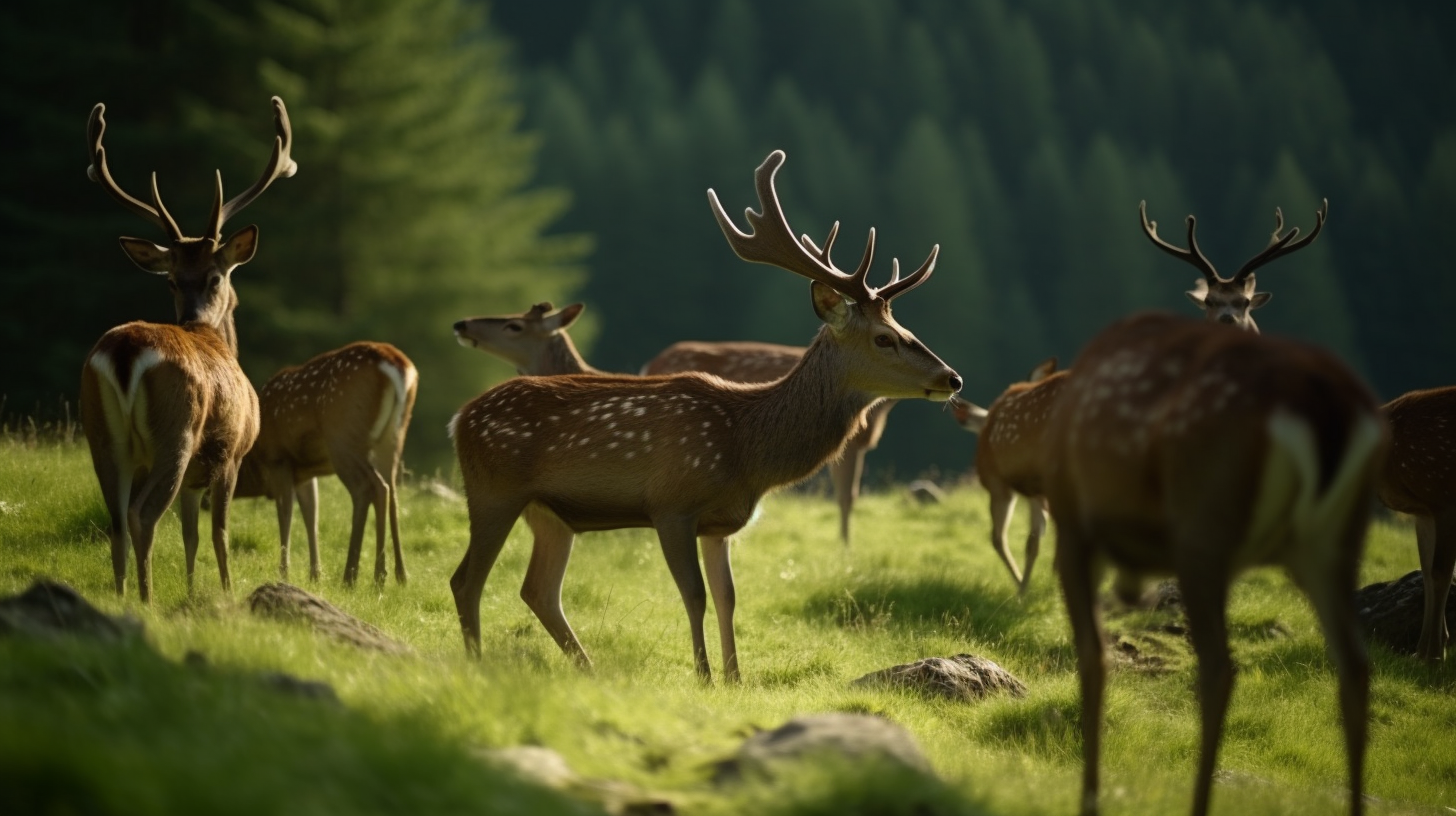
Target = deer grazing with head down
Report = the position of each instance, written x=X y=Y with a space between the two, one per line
x=1230 y=300
x=166 y=409
x=751 y=362
x=1184 y=448
x=1419 y=478
x=1009 y=457
x=688 y=455
x=346 y=412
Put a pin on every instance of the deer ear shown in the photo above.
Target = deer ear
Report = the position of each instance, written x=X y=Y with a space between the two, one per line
x=1043 y=370
x=1259 y=299
x=147 y=255
x=829 y=305
x=564 y=318
x=240 y=248
x=1199 y=292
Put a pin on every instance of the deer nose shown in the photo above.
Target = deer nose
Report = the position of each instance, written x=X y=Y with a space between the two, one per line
x=955 y=382
x=1226 y=318
x=460 y=325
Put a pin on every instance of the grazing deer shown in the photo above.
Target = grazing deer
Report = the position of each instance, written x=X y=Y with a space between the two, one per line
x=751 y=362
x=535 y=342
x=1419 y=478
x=1230 y=300
x=1009 y=457
x=345 y=411
x=166 y=409
x=689 y=455
x=1183 y=448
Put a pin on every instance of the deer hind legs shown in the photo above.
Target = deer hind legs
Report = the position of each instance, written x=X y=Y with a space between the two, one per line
x=845 y=473
x=307 y=492
x=1078 y=578
x=490 y=524
x=541 y=590
x=719 y=567
x=388 y=456
x=678 y=537
x=1003 y=505
x=1037 y=506
x=1436 y=537
x=155 y=494
x=367 y=488
x=1205 y=595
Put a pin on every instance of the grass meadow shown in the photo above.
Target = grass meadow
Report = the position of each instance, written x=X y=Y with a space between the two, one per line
x=87 y=728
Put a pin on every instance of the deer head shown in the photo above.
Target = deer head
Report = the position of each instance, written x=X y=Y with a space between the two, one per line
x=199 y=269
x=533 y=342
x=883 y=357
x=1230 y=300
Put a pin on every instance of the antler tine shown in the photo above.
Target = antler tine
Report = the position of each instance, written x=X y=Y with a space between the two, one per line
x=772 y=240
x=214 y=218
x=168 y=222
x=280 y=165
x=822 y=254
x=1280 y=246
x=1193 y=255
x=899 y=286
x=98 y=172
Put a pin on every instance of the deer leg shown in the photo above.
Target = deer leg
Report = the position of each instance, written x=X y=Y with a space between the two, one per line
x=845 y=472
x=283 y=503
x=222 y=497
x=189 y=506
x=678 y=537
x=308 y=505
x=357 y=476
x=1003 y=504
x=1436 y=535
x=381 y=517
x=1079 y=581
x=550 y=552
x=116 y=492
x=156 y=494
x=719 y=567
x=490 y=524
x=1205 y=594
x=1038 y=509
x=390 y=457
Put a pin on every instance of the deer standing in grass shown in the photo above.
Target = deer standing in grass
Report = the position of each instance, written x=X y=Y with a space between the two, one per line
x=1419 y=478
x=345 y=411
x=689 y=455
x=746 y=361
x=166 y=409
x=1184 y=448
x=1230 y=300
x=1009 y=457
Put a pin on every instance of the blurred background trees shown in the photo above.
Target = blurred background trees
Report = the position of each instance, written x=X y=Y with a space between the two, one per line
x=440 y=141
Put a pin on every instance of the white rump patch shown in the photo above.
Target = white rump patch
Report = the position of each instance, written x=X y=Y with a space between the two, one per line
x=452 y=424
x=125 y=408
x=392 y=401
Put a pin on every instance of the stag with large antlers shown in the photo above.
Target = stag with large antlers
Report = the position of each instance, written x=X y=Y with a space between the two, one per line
x=1230 y=300
x=1178 y=447
x=166 y=409
x=689 y=455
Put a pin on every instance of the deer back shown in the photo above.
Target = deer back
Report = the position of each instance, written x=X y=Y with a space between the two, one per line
x=1013 y=435
x=738 y=361
x=1419 y=475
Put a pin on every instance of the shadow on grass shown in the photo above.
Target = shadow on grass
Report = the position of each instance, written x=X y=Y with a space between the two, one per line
x=930 y=604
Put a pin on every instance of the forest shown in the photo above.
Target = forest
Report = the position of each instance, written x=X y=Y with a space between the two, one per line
x=459 y=158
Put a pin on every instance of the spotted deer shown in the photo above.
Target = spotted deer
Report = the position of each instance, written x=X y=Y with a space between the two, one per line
x=166 y=409
x=1180 y=447
x=345 y=412
x=689 y=455
x=1009 y=457
x=746 y=361
x=1419 y=478
x=1231 y=300
x=534 y=342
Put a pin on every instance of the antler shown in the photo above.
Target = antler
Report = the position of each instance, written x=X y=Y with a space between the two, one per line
x=1280 y=245
x=1192 y=255
x=772 y=242
x=280 y=165
x=98 y=172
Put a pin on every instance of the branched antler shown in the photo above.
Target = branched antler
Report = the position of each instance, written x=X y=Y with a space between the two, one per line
x=1192 y=255
x=1280 y=245
x=98 y=172
x=280 y=165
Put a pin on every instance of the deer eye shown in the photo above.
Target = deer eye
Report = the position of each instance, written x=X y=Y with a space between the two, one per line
x=884 y=340
x=1240 y=302
x=213 y=281
x=514 y=328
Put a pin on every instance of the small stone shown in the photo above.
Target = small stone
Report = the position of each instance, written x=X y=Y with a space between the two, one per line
x=854 y=737
x=48 y=609
x=287 y=602
x=1392 y=612
x=961 y=677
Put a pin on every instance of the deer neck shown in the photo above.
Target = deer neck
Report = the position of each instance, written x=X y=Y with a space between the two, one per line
x=222 y=325
x=804 y=419
x=558 y=356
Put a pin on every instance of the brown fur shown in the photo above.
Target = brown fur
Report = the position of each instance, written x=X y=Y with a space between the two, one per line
x=1419 y=478
x=317 y=419
x=1156 y=461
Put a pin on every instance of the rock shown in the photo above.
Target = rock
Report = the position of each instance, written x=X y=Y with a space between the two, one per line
x=1165 y=596
x=48 y=609
x=926 y=491
x=288 y=602
x=547 y=768
x=440 y=490
x=1391 y=612
x=962 y=677
x=854 y=737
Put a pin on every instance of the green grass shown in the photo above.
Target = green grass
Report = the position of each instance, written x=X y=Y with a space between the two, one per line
x=118 y=729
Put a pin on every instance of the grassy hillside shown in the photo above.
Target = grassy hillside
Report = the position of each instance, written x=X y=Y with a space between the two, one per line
x=122 y=731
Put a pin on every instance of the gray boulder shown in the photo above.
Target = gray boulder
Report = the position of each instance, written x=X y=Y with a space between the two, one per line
x=1391 y=612
x=961 y=677
x=290 y=603
x=851 y=737
x=48 y=609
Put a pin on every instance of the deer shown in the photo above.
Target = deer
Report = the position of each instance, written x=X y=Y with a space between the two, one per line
x=1186 y=448
x=1419 y=478
x=748 y=361
x=535 y=342
x=1231 y=300
x=166 y=409
x=689 y=455
x=1009 y=457
x=346 y=412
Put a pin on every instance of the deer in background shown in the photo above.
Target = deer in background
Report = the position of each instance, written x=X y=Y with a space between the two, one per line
x=1009 y=457
x=689 y=455
x=345 y=411
x=1179 y=447
x=1230 y=300
x=166 y=409
x=750 y=362
x=1419 y=478
x=535 y=342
